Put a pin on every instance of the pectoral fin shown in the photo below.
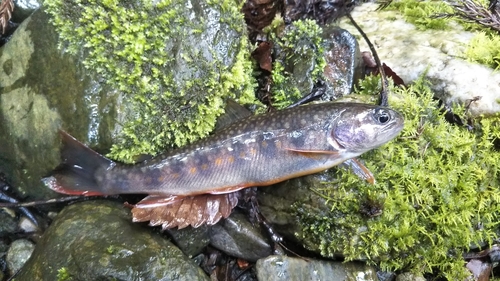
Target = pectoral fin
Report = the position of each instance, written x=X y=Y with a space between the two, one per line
x=176 y=211
x=359 y=169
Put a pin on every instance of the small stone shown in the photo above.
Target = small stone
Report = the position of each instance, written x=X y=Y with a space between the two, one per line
x=27 y=225
x=407 y=276
x=19 y=252
x=237 y=237
x=288 y=268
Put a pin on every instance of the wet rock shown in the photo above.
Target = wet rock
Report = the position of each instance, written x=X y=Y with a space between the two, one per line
x=24 y=8
x=277 y=205
x=34 y=104
x=386 y=276
x=19 y=252
x=411 y=52
x=97 y=241
x=8 y=223
x=307 y=52
x=407 y=276
x=27 y=226
x=343 y=62
x=288 y=268
x=190 y=240
x=237 y=237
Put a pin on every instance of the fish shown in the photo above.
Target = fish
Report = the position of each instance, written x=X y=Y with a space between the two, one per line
x=196 y=184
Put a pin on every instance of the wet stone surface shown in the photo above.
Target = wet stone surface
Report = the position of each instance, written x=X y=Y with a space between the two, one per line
x=97 y=241
x=19 y=252
x=237 y=237
x=289 y=268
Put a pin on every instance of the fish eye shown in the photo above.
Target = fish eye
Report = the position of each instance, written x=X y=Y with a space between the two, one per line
x=382 y=115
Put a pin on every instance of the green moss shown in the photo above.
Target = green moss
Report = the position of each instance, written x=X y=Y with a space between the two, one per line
x=63 y=274
x=437 y=187
x=421 y=13
x=301 y=56
x=155 y=53
x=483 y=49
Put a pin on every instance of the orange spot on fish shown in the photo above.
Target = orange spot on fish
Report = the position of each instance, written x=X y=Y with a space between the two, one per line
x=242 y=154
x=192 y=170
x=204 y=166
x=278 y=144
x=230 y=159
x=218 y=161
x=160 y=178
x=264 y=144
x=175 y=175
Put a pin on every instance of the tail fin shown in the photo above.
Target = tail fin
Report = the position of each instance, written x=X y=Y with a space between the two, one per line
x=76 y=174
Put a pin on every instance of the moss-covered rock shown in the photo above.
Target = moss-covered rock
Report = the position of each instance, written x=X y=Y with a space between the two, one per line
x=41 y=90
x=436 y=195
x=176 y=61
x=411 y=50
x=307 y=53
x=483 y=48
x=97 y=241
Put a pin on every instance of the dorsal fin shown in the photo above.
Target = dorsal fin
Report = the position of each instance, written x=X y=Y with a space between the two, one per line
x=232 y=113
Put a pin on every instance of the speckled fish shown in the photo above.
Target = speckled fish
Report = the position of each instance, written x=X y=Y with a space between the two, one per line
x=195 y=184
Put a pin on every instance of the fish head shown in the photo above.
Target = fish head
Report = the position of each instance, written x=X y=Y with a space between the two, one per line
x=361 y=127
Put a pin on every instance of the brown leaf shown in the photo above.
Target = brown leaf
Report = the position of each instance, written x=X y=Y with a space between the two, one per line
x=262 y=54
x=6 y=9
x=184 y=211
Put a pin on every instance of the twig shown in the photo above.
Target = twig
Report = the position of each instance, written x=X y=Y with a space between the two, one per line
x=45 y=202
x=6 y=9
x=473 y=11
x=383 y=101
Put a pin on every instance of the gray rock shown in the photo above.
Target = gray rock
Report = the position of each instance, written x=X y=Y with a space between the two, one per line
x=24 y=8
x=27 y=225
x=35 y=103
x=340 y=50
x=96 y=240
x=237 y=237
x=8 y=223
x=43 y=88
x=277 y=205
x=407 y=276
x=190 y=240
x=288 y=268
x=344 y=64
x=19 y=252
x=411 y=52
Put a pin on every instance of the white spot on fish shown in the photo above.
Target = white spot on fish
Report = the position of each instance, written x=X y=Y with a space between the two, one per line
x=250 y=140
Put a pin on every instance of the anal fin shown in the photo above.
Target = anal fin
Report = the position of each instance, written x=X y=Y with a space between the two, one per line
x=177 y=211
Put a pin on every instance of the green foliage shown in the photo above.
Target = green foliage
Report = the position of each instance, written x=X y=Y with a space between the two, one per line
x=146 y=50
x=484 y=49
x=300 y=44
x=421 y=14
x=63 y=274
x=437 y=187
